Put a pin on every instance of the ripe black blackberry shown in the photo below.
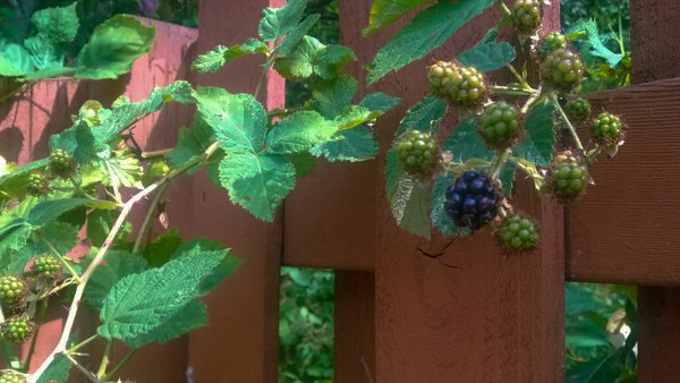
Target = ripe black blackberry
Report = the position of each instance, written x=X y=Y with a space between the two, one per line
x=459 y=85
x=37 y=185
x=562 y=70
x=607 y=129
x=12 y=289
x=61 y=164
x=472 y=201
x=46 y=267
x=517 y=234
x=17 y=329
x=417 y=154
x=500 y=125
x=567 y=176
x=578 y=109
x=526 y=15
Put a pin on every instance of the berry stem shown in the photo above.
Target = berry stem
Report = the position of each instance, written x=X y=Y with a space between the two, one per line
x=504 y=7
x=531 y=101
x=593 y=154
x=518 y=76
x=150 y=213
x=89 y=374
x=120 y=365
x=152 y=155
x=82 y=344
x=99 y=257
x=105 y=360
x=58 y=256
x=568 y=123
x=510 y=91
x=501 y=158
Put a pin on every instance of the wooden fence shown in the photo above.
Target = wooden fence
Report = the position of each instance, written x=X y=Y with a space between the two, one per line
x=400 y=316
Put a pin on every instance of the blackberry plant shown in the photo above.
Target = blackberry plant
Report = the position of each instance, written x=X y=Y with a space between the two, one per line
x=417 y=153
x=517 y=234
x=16 y=330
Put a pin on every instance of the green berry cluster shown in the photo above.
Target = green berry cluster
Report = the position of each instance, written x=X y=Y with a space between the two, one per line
x=12 y=377
x=12 y=289
x=568 y=176
x=46 y=267
x=17 y=330
x=563 y=70
x=37 y=185
x=517 y=234
x=499 y=125
x=417 y=153
x=464 y=86
x=554 y=41
x=607 y=129
x=61 y=164
x=578 y=109
x=526 y=15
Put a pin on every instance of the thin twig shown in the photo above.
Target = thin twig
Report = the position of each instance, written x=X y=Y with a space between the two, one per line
x=568 y=123
x=498 y=163
x=531 y=101
x=146 y=225
x=504 y=7
x=82 y=369
x=105 y=359
x=82 y=344
x=120 y=365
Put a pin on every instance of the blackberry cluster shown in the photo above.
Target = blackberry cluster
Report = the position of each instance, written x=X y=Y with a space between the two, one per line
x=554 y=41
x=417 y=154
x=16 y=330
x=46 y=267
x=499 y=125
x=578 y=109
x=12 y=377
x=37 y=185
x=562 y=70
x=12 y=289
x=61 y=164
x=568 y=176
x=459 y=85
x=472 y=201
x=607 y=129
x=526 y=15
x=517 y=234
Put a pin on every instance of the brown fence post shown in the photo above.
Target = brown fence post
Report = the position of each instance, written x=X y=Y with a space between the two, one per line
x=490 y=318
x=241 y=343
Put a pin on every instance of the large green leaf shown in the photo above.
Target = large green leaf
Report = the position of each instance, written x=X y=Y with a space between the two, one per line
x=353 y=145
x=423 y=116
x=140 y=303
x=589 y=28
x=438 y=215
x=112 y=48
x=58 y=371
x=191 y=143
x=47 y=211
x=488 y=56
x=299 y=132
x=294 y=37
x=59 y=24
x=385 y=12
x=331 y=96
x=117 y=265
x=409 y=206
x=189 y=318
x=299 y=64
x=221 y=55
x=227 y=266
x=161 y=250
x=379 y=101
x=278 y=22
x=539 y=144
x=425 y=32
x=14 y=60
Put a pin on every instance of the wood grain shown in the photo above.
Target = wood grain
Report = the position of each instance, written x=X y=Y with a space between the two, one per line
x=654 y=38
x=488 y=317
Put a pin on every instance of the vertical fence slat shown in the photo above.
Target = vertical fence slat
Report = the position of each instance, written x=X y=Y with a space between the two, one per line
x=655 y=47
x=487 y=317
x=354 y=353
x=241 y=343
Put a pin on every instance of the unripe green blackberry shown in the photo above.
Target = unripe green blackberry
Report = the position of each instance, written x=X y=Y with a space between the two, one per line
x=37 y=185
x=500 y=125
x=12 y=377
x=459 y=85
x=562 y=70
x=61 y=164
x=417 y=153
x=526 y=15
x=568 y=176
x=607 y=129
x=12 y=289
x=17 y=329
x=578 y=109
x=554 y=41
x=46 y=267
x=517 y=234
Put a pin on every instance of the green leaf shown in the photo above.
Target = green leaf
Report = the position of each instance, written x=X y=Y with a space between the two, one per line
x=385 y=12
x=379 y=101
x=47 y=211
x=393 y=173
x=300 y=132
x=538 y=146
x=487 y=57
x=43 y=53
x=465 y=143
x=258 y=182
x=191 y=143
x=140 y=303
x=227 y=266
x=221 y=55
x=159 y=252
x=50 y=72
x=300 y=63
x=59 y=24
x=117 y=265
x=598 y=48
x=409 y=206
x=438 y=215
x=353 y=145
x=304 y=163
x=294 y=37
x=192 y=316
x=278 y=22
x=58 y=371
x=14 y=60
x=426 y=32
x=331 y=96
x=355 y=115
x=329 y=61
x=112 y=48
x=99 y=224
x=423 y=116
